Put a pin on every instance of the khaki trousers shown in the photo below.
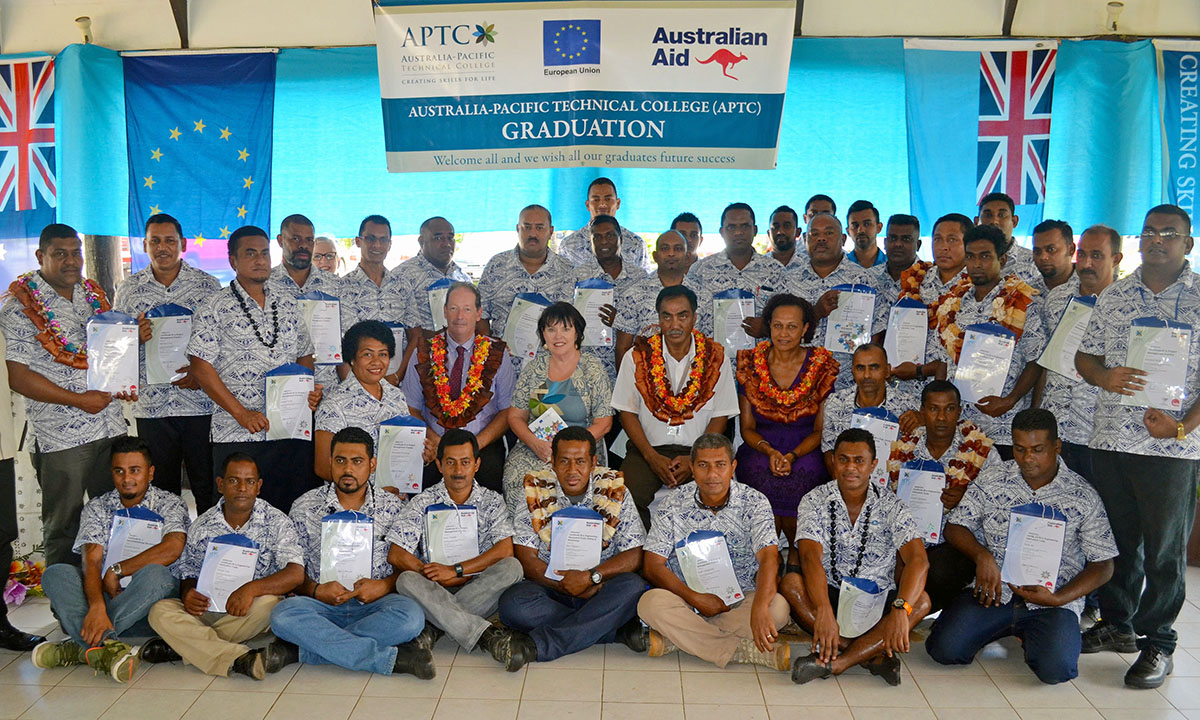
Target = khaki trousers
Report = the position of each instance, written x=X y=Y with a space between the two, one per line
x=714 y=639
x=212 y=641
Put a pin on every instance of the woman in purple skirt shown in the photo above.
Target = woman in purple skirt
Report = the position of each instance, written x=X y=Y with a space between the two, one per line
x=781 y=385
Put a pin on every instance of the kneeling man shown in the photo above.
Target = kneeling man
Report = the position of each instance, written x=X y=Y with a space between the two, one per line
x=464 y=533
x=848 y=533
x=213 y=640
x=349 y=615
x=115 y=589
x=1035 y=485
x=727 y=526
x=579 y=604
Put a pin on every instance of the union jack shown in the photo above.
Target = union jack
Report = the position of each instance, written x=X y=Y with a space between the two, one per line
x=1016 y=89
x=27 y=134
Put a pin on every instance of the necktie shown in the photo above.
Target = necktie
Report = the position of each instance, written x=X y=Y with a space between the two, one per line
x=456 y=373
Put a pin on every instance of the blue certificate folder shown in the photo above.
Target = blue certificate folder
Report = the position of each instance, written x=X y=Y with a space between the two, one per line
x=168 y=310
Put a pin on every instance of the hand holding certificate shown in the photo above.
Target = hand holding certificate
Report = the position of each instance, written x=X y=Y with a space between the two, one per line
x=520 y=332
x=131 y=532
x=730 y=310
x=576 y=537
x=1161 y=349
x=706 y=566
x=987 y=352
x=849 y=325
x=112 y=339
x=347 y=547
x=885 y=428
x=166 y=350
x=547 y=425
x=1033 y=551
x=323 y=318
x=287 y=411
x=860 y=606
x=229 y=563
x=1059 y=355
x=451 y=533
x=920 y=488
x=590 y=296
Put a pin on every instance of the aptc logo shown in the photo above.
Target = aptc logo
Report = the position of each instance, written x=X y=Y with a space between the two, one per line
x=465 y=34
x=571 y=42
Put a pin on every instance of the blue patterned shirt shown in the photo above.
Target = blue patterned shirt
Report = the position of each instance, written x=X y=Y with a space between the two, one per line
x=840 y=405
x=140 y=292
x=1071 y=400
x=577 y=248
x=630 y=276
x=224 y=337
x=504 y=277
x=892 y=526
x=635 y=305
x=746 y=521
x=383 y=508
x=275 y=533
x=988 y=502
x=1118 y=427
x=362 y=299
x=57 y=427
x=318 y=281
x=491 y=514
x=414 y=277
x=350 y=405
x=95 y=522
x=763 y=276
x=630 y=531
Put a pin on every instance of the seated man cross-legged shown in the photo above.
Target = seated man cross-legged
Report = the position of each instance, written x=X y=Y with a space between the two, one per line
x=741 y=624
x=1034 y=484
x=98 y=603
x=352 y=620
x=459 y=587
x=849 y=533
x=213 y=641
x=588 y=605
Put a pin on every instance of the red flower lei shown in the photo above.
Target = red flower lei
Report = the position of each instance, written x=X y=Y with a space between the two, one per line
x=779 y=404
x=26 y=289
x=771 y=390
x=441 y=378
x=676 y=404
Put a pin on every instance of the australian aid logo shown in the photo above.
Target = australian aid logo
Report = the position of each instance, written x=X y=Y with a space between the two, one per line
x=680 y=48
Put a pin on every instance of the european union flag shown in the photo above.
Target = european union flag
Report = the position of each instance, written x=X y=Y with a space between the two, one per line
x=571 y=42
x=199 y=130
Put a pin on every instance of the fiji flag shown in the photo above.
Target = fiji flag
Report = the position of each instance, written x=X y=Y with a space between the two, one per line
x=571 y=42
x=979 y=122
x=199 y=131
x=28 y=186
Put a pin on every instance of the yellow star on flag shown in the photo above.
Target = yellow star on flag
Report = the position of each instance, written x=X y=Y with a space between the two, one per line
x=225 y=231
x=149 y=182
x=154 y=210
x=225 y=133
x=199 y=240
x=175 y=133
x=242 y=211
x=155 y=154
x=247 y=182
x=243 y=154
x=199 y=126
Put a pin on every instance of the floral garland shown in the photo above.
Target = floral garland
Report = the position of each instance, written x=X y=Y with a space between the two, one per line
x=772 y=401
x=24 y=578
x=1008 y=310
x=453 y=411
x=964 y=467
x=51 y=333
x=911 y=279
x=650 y=371
x=608 y=493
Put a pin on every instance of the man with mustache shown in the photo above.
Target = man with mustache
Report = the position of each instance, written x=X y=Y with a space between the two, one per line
x=356 y=623
x=998 y=210
x=1054 y=252
x=176 y=418
x=73 y=428
x=785 y=234
x=862 y=220
x=689 y=226
x=97 y=605
x=1144 y=459
x=635 y=303
x=872 y=388
x=601 y=200
x=459 y=596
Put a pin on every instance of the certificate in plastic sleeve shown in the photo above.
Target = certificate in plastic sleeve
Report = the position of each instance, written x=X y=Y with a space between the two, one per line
x=576 y=538
x=229 y=563
x=730 y=308
x=112 y=339
x=323 y=317
x=399 y=464
x=987 y=352
x=907 y=330
x=347 y=547
x=860 y=606
x=885 y=428
x=520 y=332
x=399 y=336
x=707 y=567
x=590 y=296
x=1033 y=551
x=1161 y=349
x=166 y=350
x=1059 y=355
x=849 y=325
x=288 y=414
x=437 y=301
x=920 y=487
x=131 y=532
x=451 y=533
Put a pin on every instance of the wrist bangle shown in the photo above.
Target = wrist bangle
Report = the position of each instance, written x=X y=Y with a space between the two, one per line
x=760 y=443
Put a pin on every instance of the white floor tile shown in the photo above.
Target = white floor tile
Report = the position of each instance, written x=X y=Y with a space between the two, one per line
x=16 y=699
x=151 y=704
x=327 y=680
x=869 y=691
x=1160 y=714
x=406 y=686
x=461 y=709
x=230 y=705
x=779 y=690
x=648 y=687
x=961 y=692
x=74 y=703
x=641 y=711
x=85 y=677
x=1182 y=692
x=294 y=706
x=1026 y=691
x=22 y=672
x=550 y=683
x=386 y=708
x=977 y=714
x=789 y=712
x=704 y=688
x=1059 y=714
x=172 y=676
x=881 y=713
x=725 y=712
x=691 y=663
x=483 y=683
x=1112 y=693
x=559 y=710
x=619 y=657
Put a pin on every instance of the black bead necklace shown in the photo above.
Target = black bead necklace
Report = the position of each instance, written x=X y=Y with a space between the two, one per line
x=254 y=325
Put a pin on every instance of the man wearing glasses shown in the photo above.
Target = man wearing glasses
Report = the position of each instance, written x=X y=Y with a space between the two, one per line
x=1144 y=450
x=369 y=291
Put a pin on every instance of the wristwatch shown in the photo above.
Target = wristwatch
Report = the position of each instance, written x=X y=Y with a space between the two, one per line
x=597 y=578
x=115 y=569
x=1180 y=431
x=920 y=372
x=458 y=569
x=901 y=604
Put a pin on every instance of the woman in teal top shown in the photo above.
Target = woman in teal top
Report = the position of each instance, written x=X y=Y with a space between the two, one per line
x=559 y=378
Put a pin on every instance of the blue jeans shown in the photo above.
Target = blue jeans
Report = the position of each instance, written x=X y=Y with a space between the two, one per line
x=352 y=635
x=63 y=584
x=560 y=624
x=1050 y=635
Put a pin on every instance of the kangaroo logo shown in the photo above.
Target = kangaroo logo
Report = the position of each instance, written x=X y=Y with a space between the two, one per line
x=725 y=59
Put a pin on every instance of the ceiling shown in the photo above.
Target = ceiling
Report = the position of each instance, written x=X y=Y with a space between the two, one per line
x=49 y=25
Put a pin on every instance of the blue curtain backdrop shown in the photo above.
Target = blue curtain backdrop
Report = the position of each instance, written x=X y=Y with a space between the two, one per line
x=844 y=133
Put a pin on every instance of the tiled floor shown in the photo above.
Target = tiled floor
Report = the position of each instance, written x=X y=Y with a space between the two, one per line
x=610 y=683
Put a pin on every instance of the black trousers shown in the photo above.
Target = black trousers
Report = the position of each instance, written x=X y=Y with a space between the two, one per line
x=1151 y=504
x=8 y=522
x=949 y=572
x=491 y=469
x=285 y=466
x=176 y=443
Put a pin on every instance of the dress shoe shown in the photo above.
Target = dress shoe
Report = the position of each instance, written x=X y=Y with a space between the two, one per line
x=279 y=654
x=1151 y=668
x=634 y=635
x=414 y=660
x=809 y=668
x=14 y=639
x=885 y=667
x=156 y=650
x=1106 y=636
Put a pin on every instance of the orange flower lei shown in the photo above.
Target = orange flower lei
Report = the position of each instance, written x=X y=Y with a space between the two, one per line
x=771 y=390
x=1008 y=310
x=911 y=279
x=441 y=377
x=677 y=404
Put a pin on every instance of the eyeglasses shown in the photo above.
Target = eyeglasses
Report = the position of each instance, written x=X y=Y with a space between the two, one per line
x=1167 y=235
x=325 y=256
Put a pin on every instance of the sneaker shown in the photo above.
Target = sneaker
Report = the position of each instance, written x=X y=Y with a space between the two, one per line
x=428 y=637
x=1151 y=668
x=510 y=648
x=1106 y=636
x=114 y=658
x=635 y=635
x=414 y=660
x=156 y=650
x=251 y=665
x=658 y=645
x=279 y=654
x=48 y=654
x=777 y=658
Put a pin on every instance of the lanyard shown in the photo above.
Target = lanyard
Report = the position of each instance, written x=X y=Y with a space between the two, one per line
x=862 y=548
x=1152 y=302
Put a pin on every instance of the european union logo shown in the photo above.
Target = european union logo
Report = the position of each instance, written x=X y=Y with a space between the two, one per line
x=571 y=42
